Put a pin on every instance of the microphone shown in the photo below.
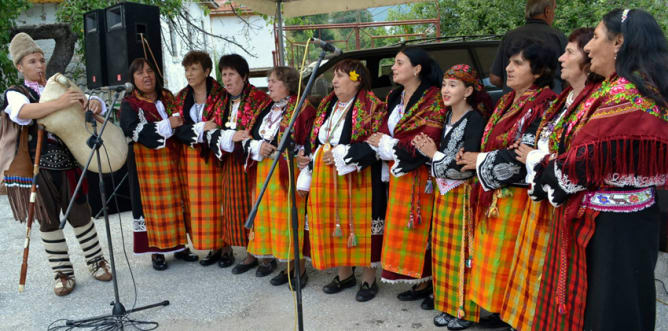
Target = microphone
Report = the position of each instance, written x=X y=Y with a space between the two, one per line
x=127 y=87
x=327 y=46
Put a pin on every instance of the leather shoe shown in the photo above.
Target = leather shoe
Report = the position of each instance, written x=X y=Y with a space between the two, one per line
x=280 y=279
x=226 y=260
x=186 y=255
x=412 y=294
x=428 y=303
x=337 y=285
x=459 y=324
x=367 y=292
x=303 y=279
x=159 y=262
x=241 y=267
x=265 y=269
x=210 y=258
x=443 y=319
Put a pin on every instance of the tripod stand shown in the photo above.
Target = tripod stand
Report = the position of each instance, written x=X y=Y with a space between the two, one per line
x=118 y=315
x=283 y=144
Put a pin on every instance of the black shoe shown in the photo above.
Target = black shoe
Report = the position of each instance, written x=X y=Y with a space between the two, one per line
x=280 y=279
x=186 y=255
x=443 y=319
x=428 y=303
x=367 y=292
x=241 y=267
x=336 y=285
x=158 y=261
x=412 y=294
x=459 y=324
x=265 y=269
x=303 y=279
x=493 y=322
x=210 y=258
x=226 y=259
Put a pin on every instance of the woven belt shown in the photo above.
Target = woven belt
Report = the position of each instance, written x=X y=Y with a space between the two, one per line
x=620 y=201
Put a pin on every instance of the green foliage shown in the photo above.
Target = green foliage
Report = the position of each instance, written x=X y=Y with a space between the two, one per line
x=483 y=17
x=9 y=11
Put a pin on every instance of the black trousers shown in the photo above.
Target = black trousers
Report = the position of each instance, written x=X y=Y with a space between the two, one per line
x=621 y=257
x=54 y=195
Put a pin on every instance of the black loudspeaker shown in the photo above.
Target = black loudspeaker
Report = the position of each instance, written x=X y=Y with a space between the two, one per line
x=122 y=195
x=95 y=52
x=126 y=24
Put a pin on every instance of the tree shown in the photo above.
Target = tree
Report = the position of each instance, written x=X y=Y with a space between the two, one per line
x=496 y=17
x=9 y=11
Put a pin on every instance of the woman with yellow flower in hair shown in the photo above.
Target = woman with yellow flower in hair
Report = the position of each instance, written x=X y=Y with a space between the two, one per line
x=346 y=205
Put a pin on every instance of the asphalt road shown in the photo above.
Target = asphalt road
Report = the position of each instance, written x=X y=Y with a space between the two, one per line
x=201 y=298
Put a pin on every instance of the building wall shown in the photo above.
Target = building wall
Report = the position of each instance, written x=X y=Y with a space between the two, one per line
x=257 y=37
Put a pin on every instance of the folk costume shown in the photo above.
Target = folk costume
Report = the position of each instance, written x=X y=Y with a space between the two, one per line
x=154 y=173
x=452 y=231
x=500 y=196
x=607 y=223
x=347 y=200
x=271 y=233
x=526 y=271
x=238 y=113
x=406 y=252
x=202 y=173
x=56 y=181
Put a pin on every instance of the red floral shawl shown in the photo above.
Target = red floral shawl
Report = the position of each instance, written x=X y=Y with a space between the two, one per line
x=212 y=109
x=368 y=112
x=137 y=101
x=425 y=116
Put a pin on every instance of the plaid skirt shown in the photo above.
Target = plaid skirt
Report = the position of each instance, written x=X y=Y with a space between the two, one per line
x=451 y=232
x=493 y=248
x=203 y=196
x=237 y=195
x=526 y=271
x=407 y=226
x=349 y=200
x=576 y=234
x=161 y=195
x=271 y=233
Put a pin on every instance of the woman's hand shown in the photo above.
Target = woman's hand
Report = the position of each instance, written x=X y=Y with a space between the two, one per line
x=266 y=149
x=328 y=157
x=302 y=160
x=175 y=121
x=467 y=160
x=209 y=125
x=240 y=136
x=425 y=145
x=302 y=194
x=522 y=151
x=374 y=139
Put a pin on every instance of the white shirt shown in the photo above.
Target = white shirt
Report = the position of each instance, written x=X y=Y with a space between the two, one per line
x=330 y=127
x=196 y=114
x=226 y=142
x=16 y=101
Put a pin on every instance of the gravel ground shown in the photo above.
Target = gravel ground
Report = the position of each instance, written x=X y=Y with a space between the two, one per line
x=202 y=298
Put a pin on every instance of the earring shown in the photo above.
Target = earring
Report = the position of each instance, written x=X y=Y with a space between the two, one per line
x=414 y=73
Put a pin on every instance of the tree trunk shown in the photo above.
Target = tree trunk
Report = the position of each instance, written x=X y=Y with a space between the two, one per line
x=65 y=42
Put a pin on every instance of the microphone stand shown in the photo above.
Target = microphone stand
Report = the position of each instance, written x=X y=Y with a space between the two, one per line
x=283 y=144
x=118 y=312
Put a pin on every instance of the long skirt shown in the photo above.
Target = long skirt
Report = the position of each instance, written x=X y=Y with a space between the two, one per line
x=450 y=244
x=339 y=217
x=237 y=199
x=493 y=248
x=526 y=271
x=203 y=196
x=609 y=280
x=161 y=198
x=406 y=254
x=271 y=235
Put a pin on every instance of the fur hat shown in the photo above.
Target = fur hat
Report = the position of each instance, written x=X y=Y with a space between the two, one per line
x=22 y=45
